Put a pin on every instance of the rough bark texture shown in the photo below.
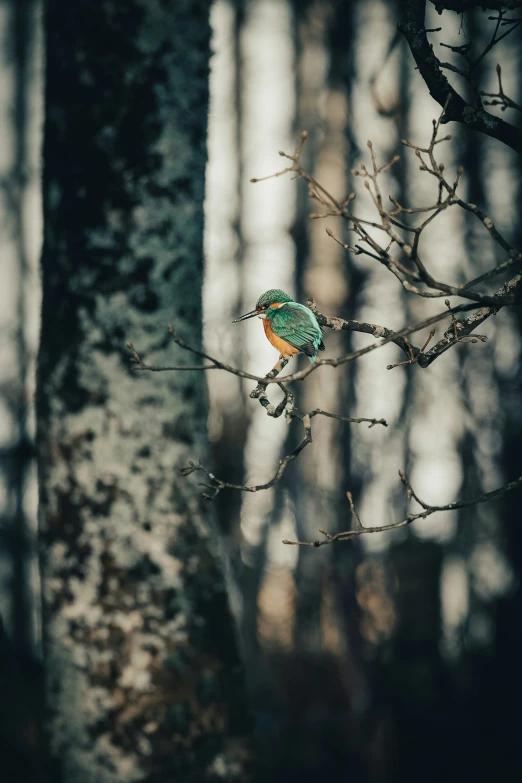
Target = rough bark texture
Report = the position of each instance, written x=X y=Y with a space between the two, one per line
x=143 y=676
x=412 y=26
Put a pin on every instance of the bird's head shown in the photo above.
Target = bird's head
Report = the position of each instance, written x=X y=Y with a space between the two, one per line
x=272 y=298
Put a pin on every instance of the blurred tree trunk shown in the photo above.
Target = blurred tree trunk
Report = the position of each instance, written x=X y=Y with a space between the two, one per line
x=143 y=681
x=22 y=744
x=19 y=33
x=414 y=680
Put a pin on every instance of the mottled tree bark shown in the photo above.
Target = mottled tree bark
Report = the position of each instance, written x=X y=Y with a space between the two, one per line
x=143 y=679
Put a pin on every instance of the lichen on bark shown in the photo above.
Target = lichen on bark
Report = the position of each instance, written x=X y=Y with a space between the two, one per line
x=143 y=680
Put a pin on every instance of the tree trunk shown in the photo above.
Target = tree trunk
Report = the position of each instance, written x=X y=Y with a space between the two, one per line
x=143 y=679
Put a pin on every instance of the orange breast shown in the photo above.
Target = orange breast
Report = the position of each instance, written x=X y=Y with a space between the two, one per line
x=284 y=348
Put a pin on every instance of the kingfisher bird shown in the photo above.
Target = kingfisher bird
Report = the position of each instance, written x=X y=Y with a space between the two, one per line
x=290 y=327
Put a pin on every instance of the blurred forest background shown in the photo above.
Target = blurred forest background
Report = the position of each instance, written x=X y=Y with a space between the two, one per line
x=392 y=657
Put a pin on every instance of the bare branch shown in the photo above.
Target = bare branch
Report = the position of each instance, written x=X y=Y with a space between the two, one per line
x=389 y=222
x=500 y=98
x=427 y=510
x=414 y=357
x=496 y=38
x=460 y=6
x=508 y=294
x=467 y=325
x=347 y=419
x=406 y=269
x=216 y=484
x=138 y=363
x=413 y=28
x=302 y=374
x=259 y=393
x=340 y=324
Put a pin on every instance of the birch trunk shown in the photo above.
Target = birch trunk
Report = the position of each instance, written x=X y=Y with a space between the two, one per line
x=143 y=679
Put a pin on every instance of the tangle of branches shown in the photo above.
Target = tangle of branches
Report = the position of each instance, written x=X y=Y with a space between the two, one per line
x=394 y=240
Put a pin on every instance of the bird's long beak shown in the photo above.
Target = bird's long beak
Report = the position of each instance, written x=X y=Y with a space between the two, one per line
x=251 y=314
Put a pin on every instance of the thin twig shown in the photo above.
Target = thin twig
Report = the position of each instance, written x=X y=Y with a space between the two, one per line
x=302 y=374
x=412 y=26
x=500 y=98
x=427 y=510
x=216 y=484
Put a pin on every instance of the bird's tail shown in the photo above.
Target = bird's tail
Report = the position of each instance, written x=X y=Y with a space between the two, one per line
x=312 y=358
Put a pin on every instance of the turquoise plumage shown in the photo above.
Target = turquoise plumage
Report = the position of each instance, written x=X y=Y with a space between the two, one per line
x=297 y=324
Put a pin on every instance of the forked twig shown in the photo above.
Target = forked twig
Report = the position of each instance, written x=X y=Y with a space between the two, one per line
x=427 y=510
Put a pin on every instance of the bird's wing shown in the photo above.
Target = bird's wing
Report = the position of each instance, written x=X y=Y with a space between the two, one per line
x=296 y=324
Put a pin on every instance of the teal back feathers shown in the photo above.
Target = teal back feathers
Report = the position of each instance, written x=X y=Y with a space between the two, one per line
x=296 y=324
